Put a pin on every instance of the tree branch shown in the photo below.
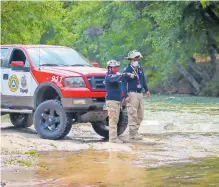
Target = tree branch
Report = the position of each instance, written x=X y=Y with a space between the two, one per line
x=212 y=14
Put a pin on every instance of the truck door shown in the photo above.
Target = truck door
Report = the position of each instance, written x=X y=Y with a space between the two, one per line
x=16 y=81
x=5 y=53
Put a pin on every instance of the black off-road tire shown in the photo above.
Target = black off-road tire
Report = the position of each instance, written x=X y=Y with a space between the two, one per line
x=102 y=127
x=21 y=120
x=62 y=129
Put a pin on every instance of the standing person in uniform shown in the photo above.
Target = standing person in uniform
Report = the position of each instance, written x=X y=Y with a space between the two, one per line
x=114 y=96
x=133 y=91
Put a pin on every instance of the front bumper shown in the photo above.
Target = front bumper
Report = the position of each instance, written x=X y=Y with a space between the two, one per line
x=83 y=103
x=86 y=109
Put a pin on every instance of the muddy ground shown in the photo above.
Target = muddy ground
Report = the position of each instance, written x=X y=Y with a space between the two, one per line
x=21 y=148
x=189 y=134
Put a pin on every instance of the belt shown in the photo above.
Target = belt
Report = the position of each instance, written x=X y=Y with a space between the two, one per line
x=137 y=91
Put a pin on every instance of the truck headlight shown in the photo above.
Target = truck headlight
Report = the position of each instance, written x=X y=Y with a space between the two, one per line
x=74 y=82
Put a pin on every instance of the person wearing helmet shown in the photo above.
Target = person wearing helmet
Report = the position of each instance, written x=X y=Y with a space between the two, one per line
x=114 y=96
x=133 y=91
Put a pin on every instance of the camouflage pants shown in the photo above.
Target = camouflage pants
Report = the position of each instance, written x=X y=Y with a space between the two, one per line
x=113 y=108
x=135 y=110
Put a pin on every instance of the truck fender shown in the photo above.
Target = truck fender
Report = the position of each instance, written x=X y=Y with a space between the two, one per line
x=41 y=87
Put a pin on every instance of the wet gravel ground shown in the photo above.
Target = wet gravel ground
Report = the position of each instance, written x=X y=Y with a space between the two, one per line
x=174 y=133
x=163 y=148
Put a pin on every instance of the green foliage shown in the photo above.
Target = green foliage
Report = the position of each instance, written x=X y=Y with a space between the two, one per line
x=204 y=3
x=213 y=87
x=27 y=163
x=163 y=31
x=159 y=30
x=32 y=152
x=25 y=22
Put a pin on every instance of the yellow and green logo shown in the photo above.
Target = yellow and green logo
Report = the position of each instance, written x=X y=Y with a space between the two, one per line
x=13 y=83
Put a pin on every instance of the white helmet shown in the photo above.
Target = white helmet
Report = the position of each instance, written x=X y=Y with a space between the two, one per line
x=113 y=63
x=134 y=54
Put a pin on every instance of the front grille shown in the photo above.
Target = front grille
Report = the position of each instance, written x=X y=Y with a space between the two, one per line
x=96 y=82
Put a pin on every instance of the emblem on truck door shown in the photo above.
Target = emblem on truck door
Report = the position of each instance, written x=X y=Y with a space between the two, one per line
x=13 y=83
x=24 y=85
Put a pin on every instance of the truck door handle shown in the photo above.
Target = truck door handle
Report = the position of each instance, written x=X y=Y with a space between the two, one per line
x=5 y=76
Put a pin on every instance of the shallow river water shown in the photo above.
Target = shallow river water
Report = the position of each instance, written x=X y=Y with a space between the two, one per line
x=181 y=148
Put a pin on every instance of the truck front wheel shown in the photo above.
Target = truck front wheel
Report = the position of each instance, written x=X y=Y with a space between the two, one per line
x=102 y=127
x=51 y=120
x=21 y=120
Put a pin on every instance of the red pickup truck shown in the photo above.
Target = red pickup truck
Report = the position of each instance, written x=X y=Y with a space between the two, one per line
x=53 y=87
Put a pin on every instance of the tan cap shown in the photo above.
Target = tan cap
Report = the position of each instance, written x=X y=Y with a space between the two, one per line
x=134 y=54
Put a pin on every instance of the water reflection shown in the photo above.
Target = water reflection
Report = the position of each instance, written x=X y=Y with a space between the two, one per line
x=91 y=168
x=114 y=169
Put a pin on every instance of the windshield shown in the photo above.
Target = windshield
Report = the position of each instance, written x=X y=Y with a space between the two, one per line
x=57 y=56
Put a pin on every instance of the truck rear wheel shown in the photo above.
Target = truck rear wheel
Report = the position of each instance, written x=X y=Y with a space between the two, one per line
x=51 y=120
x=21 y=120
x=102 y=127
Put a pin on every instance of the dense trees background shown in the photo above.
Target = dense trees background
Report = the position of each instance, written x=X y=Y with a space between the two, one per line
x=179 y=40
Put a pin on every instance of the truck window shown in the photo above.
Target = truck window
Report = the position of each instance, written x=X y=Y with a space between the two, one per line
x=18 y=55
x=57 y=56
x=3 y=57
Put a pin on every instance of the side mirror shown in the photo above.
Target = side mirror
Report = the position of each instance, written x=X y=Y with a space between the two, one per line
x=95 y=64
x=17 y=64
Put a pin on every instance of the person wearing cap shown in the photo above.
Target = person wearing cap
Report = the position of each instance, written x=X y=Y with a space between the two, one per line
x=114 y=96
x=133 y=93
